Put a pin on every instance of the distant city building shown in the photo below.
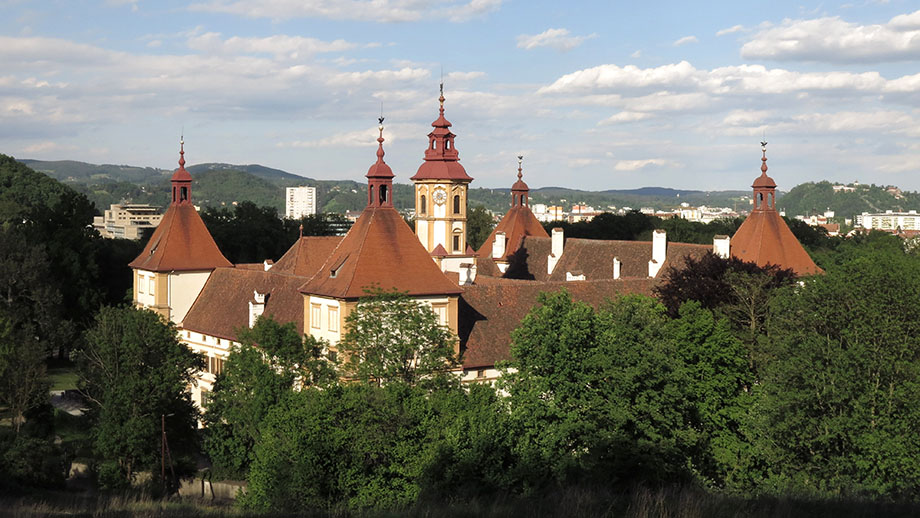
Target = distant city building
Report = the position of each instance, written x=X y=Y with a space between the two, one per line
x=127 y=221
x=300 y=202
x=546 y=213
x=889 y=220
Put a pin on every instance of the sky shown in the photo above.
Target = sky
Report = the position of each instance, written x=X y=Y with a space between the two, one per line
x=594 y=95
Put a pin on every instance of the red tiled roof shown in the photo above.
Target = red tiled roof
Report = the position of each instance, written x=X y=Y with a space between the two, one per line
x=222 y=307
x=441 y=170
x=764 y=238
x=180 y=243
x=490 y=312
x=518 y=223
x=595 y=257
x=306 y=255
x=379 y=250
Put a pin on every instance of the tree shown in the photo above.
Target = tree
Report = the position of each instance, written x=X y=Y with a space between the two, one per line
x=247 y=233
x=392 y=337
x=841 y=400
x=134 y=371
x=479 y=224
x=598 y=394
x=270 y=361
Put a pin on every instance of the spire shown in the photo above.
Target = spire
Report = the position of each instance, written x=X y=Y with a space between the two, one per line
x=441 y=156
x=380 y=177
x=520 y=190
x=764 y=186
x=181 y=179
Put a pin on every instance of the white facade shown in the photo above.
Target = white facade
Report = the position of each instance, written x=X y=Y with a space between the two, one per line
x=889 y=220
x=300 y=202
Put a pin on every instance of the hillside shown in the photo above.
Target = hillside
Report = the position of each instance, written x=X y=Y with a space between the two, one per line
x=220 y=184
x=808 y=198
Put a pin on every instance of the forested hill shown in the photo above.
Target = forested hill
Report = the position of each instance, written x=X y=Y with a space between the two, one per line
x=219 y=184
x=809 y=198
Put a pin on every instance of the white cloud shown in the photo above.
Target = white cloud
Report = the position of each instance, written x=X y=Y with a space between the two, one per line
x=635 y=165
x=558 y=39
x=636 y=54
x=292 y=47
x=363 y=10
x=686 y=40
x=462 y=77
x=731 y=30
x=613 y=77
x=583 y=162
x=833 y=40
x=625 y=116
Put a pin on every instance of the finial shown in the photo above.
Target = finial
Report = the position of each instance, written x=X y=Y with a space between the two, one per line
x=380 y=138
x=182 y=151
x=763 y=166
x=520 y=161
x=441 y=99
x=301 y=230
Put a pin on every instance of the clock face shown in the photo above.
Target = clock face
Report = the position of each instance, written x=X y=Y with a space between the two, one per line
x=440 y=196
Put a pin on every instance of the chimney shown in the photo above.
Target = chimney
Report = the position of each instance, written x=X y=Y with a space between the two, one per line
x=556 y=250
x=257 y=307
x=498 y=246
x=659 y=252
x=467 y=274
x=616 y=267
x=721 y=246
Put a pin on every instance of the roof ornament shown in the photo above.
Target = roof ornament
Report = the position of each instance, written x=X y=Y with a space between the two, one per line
x=380 y=138
x=763 y=166
x=520 y=161
x=441 y=99
x=182 y=150
x=301 y=230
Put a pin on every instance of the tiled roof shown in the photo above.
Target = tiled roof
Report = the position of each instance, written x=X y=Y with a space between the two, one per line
x=379 y=250
x=222 y=307
x=490 y=312
x=517 y=224
x=180 y=243
x=594 y=257
x=307 y=255
x=764 y=238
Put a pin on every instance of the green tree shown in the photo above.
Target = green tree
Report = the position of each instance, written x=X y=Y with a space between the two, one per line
x=598 y=393
x=270 y=361
x=392 y=337
x=133 y=371
x=479 y=224
x=351 y=446
x=247 y=233
x=842 y=393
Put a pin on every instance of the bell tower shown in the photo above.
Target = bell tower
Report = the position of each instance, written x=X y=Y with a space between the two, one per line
x=441 y=186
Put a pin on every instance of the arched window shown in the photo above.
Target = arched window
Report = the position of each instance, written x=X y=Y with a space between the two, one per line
x=457 y=241
x=760 y=201
x=183 y=193
x=422 y=205
x=383 y=194
x=447 y=144
x=370 y=194
x=434 y=144
x=456 y=204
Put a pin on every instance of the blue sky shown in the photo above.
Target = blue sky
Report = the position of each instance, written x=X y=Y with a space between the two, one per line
x=595 y=95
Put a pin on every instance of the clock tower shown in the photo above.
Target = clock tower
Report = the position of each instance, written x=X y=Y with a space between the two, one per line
x=441 y=186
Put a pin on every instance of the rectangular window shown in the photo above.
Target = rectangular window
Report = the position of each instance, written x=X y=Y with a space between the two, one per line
x=481 y=373
x=205 y=399
x=441 y=311
x=141 y=280
x=332 y=355
x=315 y=315
x=334 y=319
x=457 y=244
x=151 y=286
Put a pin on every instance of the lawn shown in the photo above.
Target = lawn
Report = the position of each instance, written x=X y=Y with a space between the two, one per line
x=62 y=375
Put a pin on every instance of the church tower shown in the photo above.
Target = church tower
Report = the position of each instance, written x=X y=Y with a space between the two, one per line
x=441 y=186
x=180 y=256
x=764 y=238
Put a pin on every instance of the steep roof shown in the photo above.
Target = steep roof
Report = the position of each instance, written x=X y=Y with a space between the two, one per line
x=764 y=238
x=518 y=223
x=490 y=312
x=306 y=255
x=222 y=307
x=379 y=250
x=180 y=243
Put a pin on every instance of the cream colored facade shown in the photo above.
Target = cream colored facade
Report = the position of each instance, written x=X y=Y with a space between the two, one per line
x=440 y=214
x=215 y=351
x=170 y=294
x=127 y=221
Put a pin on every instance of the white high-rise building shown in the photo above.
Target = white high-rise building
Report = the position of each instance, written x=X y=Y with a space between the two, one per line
x=300 y=202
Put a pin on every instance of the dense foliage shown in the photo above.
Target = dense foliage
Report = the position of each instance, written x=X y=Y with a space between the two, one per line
x=135 y=374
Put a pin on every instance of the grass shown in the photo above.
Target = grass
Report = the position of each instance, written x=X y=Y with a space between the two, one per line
x=62 y=375
x=680 y=502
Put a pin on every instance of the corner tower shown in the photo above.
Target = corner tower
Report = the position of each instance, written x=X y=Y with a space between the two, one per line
x=764 y=238
x=180 y=256
x=441 y=186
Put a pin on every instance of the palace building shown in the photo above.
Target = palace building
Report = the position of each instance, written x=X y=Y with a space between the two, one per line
x=481 y=296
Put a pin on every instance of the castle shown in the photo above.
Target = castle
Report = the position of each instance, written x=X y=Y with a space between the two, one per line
x=481 y=296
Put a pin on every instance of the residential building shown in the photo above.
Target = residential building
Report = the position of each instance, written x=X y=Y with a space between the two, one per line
x=299 y=202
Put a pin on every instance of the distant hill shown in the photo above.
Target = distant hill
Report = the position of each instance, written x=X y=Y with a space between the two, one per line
x=260 y=171
x=220 y=184
x=817 y=197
